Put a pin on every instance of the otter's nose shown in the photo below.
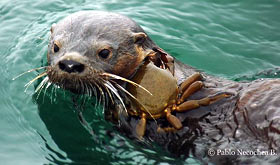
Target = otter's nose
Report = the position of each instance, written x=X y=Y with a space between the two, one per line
x=71 y=66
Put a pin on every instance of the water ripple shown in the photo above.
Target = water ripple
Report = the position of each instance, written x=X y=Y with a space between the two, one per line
x=238 y=40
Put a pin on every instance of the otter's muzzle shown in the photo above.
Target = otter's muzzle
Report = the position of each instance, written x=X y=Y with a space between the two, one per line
x=72 y=63
x=71 y=66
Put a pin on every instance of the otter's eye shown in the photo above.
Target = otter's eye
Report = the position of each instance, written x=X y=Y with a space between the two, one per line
x=104 y=53
x=55 y=48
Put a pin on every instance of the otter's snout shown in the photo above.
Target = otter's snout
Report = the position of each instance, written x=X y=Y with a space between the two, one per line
x=71 y=66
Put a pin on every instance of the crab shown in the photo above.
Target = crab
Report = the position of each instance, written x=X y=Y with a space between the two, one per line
x=164 y=96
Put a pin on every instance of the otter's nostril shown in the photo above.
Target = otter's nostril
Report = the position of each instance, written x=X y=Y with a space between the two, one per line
x=71 y=66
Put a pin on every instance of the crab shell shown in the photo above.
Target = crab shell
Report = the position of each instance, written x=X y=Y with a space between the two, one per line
x=160 y=83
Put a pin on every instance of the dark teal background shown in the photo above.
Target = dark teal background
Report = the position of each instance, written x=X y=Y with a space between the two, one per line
x=238 y=40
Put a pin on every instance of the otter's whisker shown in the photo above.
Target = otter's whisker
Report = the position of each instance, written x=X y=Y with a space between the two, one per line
x=48 y=85
x=83 y=89
x=52 y=93
x=113 y=89
x=126 y=80
x=124 y=90
x=102 y=98
x=85 y=92
x=110 y=95
x=31 y=70
x=62 y=85
x=40 y=91
x=55 y=92
x=101 y=92
x=106 y=104
x=93 y=90
x=36 y=78
x=80 y=86
x=41 y=86
x=88 y=90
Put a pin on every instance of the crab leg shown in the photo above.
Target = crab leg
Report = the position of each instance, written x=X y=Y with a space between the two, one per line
x=192 y=104
x=141 y=126
x=195 y=77
x=190 y=90
x=173 y=120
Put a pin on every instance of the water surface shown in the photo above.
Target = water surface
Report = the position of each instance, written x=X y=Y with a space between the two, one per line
x=238 y=40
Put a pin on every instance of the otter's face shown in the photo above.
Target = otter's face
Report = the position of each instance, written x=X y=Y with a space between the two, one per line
x=85 y=45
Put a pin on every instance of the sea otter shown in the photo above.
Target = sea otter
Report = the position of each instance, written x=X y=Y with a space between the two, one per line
x=87 y=44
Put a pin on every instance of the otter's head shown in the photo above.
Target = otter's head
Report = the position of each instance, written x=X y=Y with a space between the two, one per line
x=87 y=44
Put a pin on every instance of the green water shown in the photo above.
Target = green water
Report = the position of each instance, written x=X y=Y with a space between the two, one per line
x=238 y=40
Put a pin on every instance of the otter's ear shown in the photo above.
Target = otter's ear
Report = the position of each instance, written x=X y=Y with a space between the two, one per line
x=52 y=27
x=139 y=38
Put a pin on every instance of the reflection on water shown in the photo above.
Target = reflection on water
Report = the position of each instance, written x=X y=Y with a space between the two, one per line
x=238 y=40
